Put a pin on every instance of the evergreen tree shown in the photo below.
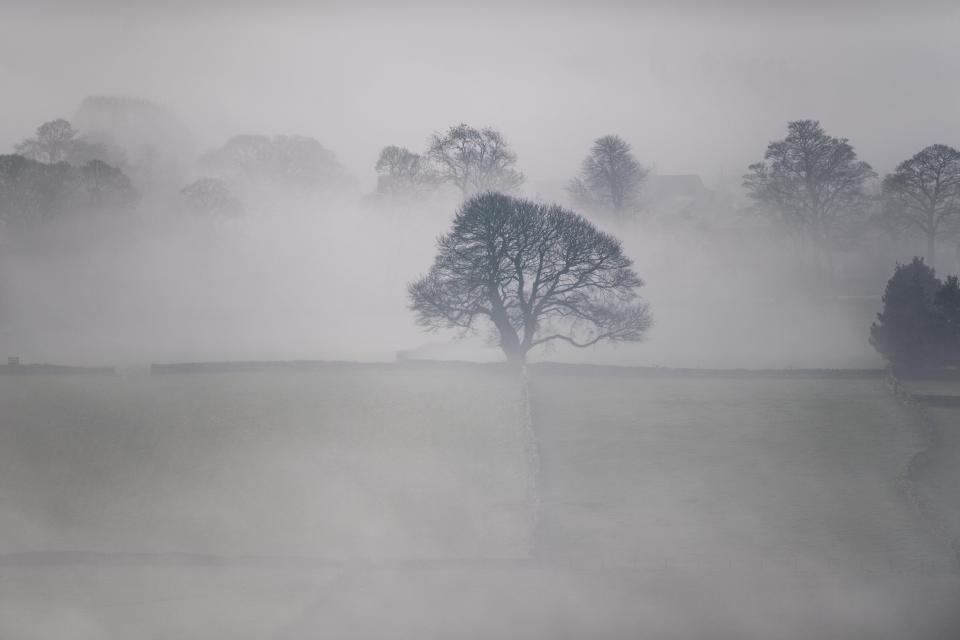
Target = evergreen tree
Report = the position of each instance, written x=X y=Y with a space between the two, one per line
x=906 y=330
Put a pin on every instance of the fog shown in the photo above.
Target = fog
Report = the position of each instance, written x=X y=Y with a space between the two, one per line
x=696 y=88
x=322 y=461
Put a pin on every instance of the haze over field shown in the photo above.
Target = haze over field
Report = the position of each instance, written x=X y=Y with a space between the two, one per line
x=385 y=503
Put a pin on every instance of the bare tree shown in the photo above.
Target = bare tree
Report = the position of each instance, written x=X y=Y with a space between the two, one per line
x=814 y=184
x=475 y=160
x=610 y=178
x=923 y=193
x=536 y=273
x=403 y=175
x=51 y=143
x=57 y=141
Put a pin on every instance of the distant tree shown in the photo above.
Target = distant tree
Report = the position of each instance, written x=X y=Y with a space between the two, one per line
x=51 y=144
x=211 y=196
x=146 y=140
x=610 y=178
x=33 y=193
x=908 y=330
x=923 y=194
x=814 y=184
x=292 y=160
x=404 y=175
x=475 y=160
x=107 y=188
x=57 y=141
x=537 y=273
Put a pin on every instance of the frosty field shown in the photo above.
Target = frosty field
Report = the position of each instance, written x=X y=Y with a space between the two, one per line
x=390 y=502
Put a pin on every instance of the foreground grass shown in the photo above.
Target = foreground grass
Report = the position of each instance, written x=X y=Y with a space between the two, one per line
x=392 y=504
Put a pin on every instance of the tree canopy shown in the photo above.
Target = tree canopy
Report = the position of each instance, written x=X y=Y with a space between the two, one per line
x=211 y=196
x=403 y=174
x=923 y=194
x=285 y=159
x=106 y=188
x=33 y=193
x=535 y=273
x=813 y=183
x=475 y=160
x=57 y=141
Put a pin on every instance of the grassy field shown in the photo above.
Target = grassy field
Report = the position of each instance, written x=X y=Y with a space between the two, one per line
x=938 y=474
x=336 y=464
x=394 y=504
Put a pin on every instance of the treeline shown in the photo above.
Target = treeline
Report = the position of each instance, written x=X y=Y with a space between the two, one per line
x=127 y=149
x=810 y=186
x=33 y=192
x=818 y=191
x=475 y=160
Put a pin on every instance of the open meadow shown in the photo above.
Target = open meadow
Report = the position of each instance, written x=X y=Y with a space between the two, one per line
x=395 y=502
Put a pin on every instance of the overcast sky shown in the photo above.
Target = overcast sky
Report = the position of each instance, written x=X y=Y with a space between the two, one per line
x=695 y=87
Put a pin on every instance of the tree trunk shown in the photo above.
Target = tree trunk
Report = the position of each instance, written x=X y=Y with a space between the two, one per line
x=509 y=340
x=516 y=358
x=931 y=248
x=831 y=278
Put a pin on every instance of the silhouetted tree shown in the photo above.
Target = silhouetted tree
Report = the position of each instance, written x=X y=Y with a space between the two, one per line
x=107 y=188
x=907 y=331
x=51 y=144
x=610 y=178
x=923 y=194
x=814 y=184
x=537 y=273
x=211 y=196
x=57 y=141
x=475 y=160
x=404 y=175
x=34 y=192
